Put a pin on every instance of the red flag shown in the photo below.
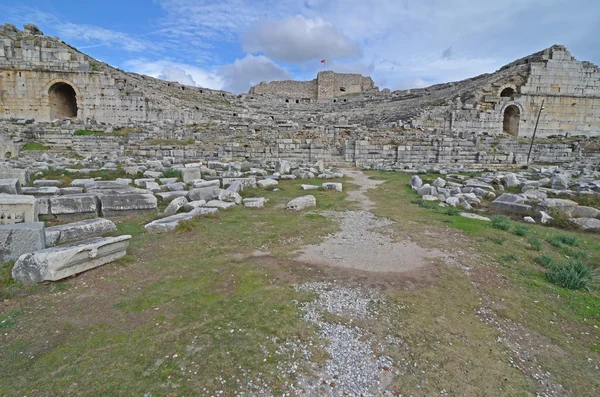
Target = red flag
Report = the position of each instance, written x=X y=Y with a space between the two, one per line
x=322 y=61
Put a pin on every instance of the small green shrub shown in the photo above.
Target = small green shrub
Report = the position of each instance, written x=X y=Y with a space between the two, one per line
x=425 y=204
x=545 y=261
x=521 y=230
x=509 y=258
x=35 y=146
x=171 y=173
x=535 y=243
x=452 y=211
x=498 y=240
x=87 y=133
x=574 y=275
x=561 y=220
x=557 y=241
x=501 y=222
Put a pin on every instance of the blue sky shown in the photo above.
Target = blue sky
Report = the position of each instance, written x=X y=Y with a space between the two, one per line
x=232 y=44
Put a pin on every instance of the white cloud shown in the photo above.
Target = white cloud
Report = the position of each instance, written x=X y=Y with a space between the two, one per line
x=243 y=73
x=298 y=39
x=100 y=36
x=173 y=71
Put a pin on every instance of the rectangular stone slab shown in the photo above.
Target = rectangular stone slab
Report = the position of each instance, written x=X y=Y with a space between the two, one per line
x=74 y=204
x=56 y=263
x=18 y=208
x=20 y=238
x=125 y=202
x=10 y=186
x=78 y=230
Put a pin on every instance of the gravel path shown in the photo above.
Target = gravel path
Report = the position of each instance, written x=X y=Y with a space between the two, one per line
x=363 y=242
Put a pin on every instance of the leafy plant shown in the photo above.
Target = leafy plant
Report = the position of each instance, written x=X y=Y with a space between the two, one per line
x=501 y=222
x=574 y=275
x=171 y=173
x=557 y=241
x=535 y=243
x=452 y=211
x=545 y=261
x=425 y=204
x=521 y=230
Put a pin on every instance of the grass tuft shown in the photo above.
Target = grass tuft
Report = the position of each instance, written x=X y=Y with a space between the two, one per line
x=7 y=320
x=545 y=260
x=574 y=275
x=425 y=204
x=35 y=146
x=557 y=241
x=171 y=173
x=501 y=222
x=87 y=133
x=498 y=240
x=535 y=244
x=520 y=230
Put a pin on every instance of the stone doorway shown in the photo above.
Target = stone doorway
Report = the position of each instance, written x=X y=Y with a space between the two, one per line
x=512 y=115
x=63 y=101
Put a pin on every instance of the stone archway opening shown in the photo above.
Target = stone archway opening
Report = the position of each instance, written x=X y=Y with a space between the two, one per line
x=512 y=115
x=508 y=92
x=63 y=101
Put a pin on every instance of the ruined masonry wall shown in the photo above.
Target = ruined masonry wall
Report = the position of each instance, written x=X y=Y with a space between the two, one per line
x=289 y=88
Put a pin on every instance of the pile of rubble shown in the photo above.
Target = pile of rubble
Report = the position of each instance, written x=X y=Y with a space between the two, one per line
x=52 y=253
x=535 y=194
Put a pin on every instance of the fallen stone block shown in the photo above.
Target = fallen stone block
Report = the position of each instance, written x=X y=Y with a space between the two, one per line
x=511 y=204
x=552 y=204
x=303 y=202
x=249 y=182
x=229 y=196
x=167 y=197
x=265 y=183
x=65 y=191
x=75 y=205
x=332 y=186
x=175 y=187
x=255 y=202
x=17 y=209
x=170 y=223
x=188 y=174
x=176 y=205
x=222 y=205
x=529 y=219
x=10 y=186
x=41 y=191
x=587 y=224
x=47 y=183
x=18 y=239
x=310 y=187
x=78 y=230
x=192 y=205
x=152 y=174
x=81 y=182
x=582 y=211
x=141 y=182
x=474 y=216
x=126 y=201
x=15 y=173
x=204 y=193
x=124 y=181
x=200 y=184
x=59 y=262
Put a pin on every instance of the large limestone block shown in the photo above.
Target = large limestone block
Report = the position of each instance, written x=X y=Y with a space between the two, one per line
x=12 y=173
x=56 y=263
x=170 y=222
x=222 y=205
x=587 y=224
x=204 y=193
x=266 y=183
x=85 y=204
x=585 y=212
x=41 y=191
x=167 y=197
x=126 y=201
x=333 y=186
x=255 y=202
x=20 y=238
x=176 y=205
x=78 y=230
x=10 y=186
x=81 y=182
x=561 y=205
x=190 y=173
x=47 y=183
x=197 y=184
x=511 y=204
x=17 y=209
x=415 y=182
x=303 y=202
x=249 y=182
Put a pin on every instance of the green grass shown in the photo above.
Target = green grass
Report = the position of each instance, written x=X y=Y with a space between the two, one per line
x=87 y=133
x=35 y=146
x=8 y=320
x=559 y=240
x=535 y=243
x=573 y=275
x=171 y=173
x=545 y=260
x=501 y=222
x=520 y=230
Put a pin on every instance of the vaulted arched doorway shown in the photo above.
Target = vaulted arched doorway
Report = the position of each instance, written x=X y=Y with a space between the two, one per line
x=63 y=101
x=512 y=115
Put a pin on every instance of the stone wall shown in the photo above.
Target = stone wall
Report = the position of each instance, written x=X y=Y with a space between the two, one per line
x=327 y=86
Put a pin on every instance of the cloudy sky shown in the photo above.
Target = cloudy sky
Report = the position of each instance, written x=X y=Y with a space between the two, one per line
x=233 y=44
